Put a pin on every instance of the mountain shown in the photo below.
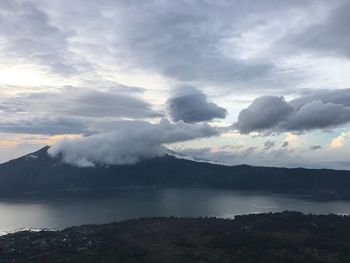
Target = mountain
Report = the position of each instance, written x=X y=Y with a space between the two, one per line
x=38 y=173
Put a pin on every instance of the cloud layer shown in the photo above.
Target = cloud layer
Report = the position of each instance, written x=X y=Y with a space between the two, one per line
x=128 y=143
x=29 y=34
x=330 y=36
x=70 y=110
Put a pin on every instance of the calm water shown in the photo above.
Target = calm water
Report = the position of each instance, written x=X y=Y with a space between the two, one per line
x=61 y=213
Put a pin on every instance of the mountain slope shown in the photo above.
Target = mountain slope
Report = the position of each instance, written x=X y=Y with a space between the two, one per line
x=39 y=173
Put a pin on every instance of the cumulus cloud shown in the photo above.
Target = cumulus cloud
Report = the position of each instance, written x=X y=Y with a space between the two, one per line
x=274 y=114
x=264 y=113
x=128 y=143
x=316 y=115
x=191 y=105
x=338 y=96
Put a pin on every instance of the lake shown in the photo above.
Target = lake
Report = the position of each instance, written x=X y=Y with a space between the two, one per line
x=59 y=213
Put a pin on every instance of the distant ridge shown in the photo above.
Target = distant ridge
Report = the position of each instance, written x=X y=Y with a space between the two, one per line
x=38 y=173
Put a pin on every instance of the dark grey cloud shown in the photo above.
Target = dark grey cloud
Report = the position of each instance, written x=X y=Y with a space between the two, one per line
x=70 y=110
x=315 y=147
x=128 y=143
x=29 y=33
x=92 y=103
x=264 y=113
x=337 y=96
x=191 y=105
x=274 y=114
x=81 y=102
x=317 y=115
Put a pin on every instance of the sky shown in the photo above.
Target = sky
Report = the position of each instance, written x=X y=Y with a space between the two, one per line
x=231 y=81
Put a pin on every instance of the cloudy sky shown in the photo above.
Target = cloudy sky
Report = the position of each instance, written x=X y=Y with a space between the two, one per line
x=233 y=81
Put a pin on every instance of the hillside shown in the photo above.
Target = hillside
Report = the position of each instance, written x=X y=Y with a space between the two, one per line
x=282 y=237
x=38 y=173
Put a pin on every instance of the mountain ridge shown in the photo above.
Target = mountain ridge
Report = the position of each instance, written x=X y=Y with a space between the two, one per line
x=37 y=172
x=183 y=157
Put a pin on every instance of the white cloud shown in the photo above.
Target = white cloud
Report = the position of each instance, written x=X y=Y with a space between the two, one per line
x=128 y=143
x=338 y=142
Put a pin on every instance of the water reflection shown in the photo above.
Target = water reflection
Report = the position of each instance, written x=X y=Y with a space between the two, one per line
x=63 y=212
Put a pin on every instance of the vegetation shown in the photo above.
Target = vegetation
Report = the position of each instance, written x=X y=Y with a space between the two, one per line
x=281 y=237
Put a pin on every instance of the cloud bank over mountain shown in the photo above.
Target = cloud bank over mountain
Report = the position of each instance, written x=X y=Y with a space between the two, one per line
x=128 y=143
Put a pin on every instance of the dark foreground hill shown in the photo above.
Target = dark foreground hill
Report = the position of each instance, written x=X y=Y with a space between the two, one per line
x=282 y=237
x=38 y=173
